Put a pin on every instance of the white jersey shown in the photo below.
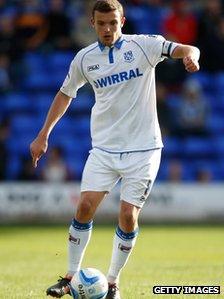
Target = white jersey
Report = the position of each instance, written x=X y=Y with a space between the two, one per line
x=124 y=117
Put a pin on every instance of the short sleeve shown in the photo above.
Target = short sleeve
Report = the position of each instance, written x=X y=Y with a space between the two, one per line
x=155 y=47
x=74 y=79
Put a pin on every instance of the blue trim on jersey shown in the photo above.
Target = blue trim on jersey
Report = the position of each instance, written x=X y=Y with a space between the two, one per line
x=111 y=56
x=127 y=152
x=117 y=44
x=126 y=236
x=101 y=46
x=143 y=52
x=169 y=49
x=82 y=226
x=168 y=55
x=82 y=61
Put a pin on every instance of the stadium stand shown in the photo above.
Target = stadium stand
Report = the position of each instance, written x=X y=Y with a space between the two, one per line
x=25 y=106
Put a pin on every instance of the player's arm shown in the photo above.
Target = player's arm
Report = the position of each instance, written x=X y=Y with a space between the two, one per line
x=58 y=107
x=190 y=56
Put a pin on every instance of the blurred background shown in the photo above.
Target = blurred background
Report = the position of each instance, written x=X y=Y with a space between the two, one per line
x=38 y=40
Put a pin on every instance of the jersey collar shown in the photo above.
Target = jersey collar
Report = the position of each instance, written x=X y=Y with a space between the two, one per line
x=117 y=44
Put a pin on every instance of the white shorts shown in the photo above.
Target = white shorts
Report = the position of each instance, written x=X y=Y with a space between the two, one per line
x=137 y=171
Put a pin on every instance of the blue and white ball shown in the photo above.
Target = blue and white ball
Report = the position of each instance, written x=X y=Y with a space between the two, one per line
x=89 y=283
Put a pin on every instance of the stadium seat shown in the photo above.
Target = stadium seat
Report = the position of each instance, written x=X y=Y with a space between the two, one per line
x=38 y=81
x=206 y=80
x=60 y=61
x=66 y=142
x=215 y=124
x=172 y=146
x=40 y=67
x=76 y=166
x=163 y=169
x=82 y=104
x=42 y=102
x=218 y=146
x=195 y=146
x=212 y=167
x=139 y=15
x=34 y=61
x=188 y=170
x=218 y=81
x=64 y=127
x=20 y=144
x=13 y=167
x=18 y=102
x=25 y=124
x=44 y=80
x=81 y=126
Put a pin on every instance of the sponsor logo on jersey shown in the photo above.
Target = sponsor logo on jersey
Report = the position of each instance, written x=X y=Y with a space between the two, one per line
x=117 y=78
x=93 y=67
x=128 y=56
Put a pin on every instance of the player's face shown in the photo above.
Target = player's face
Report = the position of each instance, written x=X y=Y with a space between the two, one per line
x=108 y=26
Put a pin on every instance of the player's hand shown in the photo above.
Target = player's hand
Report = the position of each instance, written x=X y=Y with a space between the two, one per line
x=191 y=64
x=37 y=148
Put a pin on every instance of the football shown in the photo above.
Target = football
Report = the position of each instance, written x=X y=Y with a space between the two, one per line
x=89 y=283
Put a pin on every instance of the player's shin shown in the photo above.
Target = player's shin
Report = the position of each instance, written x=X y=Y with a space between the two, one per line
x=79 y=236
x=123 y=245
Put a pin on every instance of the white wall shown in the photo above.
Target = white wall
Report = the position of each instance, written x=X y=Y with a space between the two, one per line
x=39 y=202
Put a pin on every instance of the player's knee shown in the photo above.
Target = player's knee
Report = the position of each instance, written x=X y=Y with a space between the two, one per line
x=85 y=210
x=128 y=220
x=85 y=207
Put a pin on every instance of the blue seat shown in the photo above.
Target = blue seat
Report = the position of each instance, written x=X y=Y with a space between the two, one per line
x=218 y=146
x=42 y=102
x=34 y=61
x=163 y=169
x=60 y=61
x=139 y=15
x=76 y=165
x=186 y=170
x=65 y=141
x=57 y=78
x=172 y=146
x=82 y=126
x=214 y=167
x=13 y=166
x=216 y=103
x=218 y=81
x=20 y=144
x=64 y=127
x=83 y=103
x=206 y=80
x=25 y=124
x=38 y=81
x=195 y=146
x=215 y=124
x=43 y=80
x=16 y=102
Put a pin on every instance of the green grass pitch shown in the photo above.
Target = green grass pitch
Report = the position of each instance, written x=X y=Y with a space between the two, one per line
x=32 y=258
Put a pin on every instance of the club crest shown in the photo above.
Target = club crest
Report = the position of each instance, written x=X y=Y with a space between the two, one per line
x=128 y=56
